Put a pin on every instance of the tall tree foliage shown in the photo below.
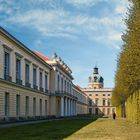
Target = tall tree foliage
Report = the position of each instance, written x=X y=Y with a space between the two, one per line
x=127 y=79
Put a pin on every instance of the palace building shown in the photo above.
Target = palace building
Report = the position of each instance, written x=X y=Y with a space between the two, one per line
x=62 y=99
x=100 y=97
x=33 y=86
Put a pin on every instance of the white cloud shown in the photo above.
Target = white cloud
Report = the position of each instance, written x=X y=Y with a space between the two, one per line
x=120 y=9
x=79 y=3
x=85 y=3
x=57 y=22
x=6 y=7
x=49 y=23
x=115 y=36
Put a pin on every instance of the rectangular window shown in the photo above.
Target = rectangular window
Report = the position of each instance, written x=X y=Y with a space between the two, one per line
x=103 y=102
x=108 y=111
x=58 y=80
x=65 y=85
x=17 y=105
x=46 y=107
x=90 y=102
x=34 y=106
x=103 y=110
x=40 y=107
x=103 y=94
x=96 y=94
x=96 y=111
x=27 y=73
x=61 y=84
x=18 y=69
x=35 y=78
x=90 y=110
x=108 y=102
x=90 y=94
x=7 y=66
x=26 y=105
x=96 y=101
x=46 y=83
x=41 y=81
x=6 y=104
x=68 y=87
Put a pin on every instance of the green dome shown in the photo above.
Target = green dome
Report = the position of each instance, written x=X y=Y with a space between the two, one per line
x=97 y=78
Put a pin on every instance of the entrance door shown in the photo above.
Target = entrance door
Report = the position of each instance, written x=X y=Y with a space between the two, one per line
x=96 y=111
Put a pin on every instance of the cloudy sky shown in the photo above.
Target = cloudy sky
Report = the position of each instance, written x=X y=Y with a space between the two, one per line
x=84 y=33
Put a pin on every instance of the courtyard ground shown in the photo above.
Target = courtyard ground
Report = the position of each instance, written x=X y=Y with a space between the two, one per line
x=74 y=129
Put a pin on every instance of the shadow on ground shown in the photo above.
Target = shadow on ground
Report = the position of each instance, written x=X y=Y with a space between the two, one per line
x=53 y=130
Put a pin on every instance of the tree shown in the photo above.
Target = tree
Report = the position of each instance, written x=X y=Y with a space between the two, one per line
x=127 y=79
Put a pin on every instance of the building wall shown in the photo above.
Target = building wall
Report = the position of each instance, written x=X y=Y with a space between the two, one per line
x=95 y=85
x=82 y=101
x=18 y=50
x=56 y=98
x=100 y=95
x=60 y=90
x=13 y=90
x=82 y=109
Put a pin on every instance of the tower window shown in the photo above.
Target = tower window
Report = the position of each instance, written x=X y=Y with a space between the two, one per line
x=95 y=79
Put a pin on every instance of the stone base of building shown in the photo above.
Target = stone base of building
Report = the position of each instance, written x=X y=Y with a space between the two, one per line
x=24 y=119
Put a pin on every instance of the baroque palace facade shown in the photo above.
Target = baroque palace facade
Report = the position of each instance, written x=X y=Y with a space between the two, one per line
x=100 y=97
x=33 y=86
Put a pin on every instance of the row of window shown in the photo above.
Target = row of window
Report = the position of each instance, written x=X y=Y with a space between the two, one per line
x=27 y=73
x=63 y=85
x=18 y=102
x=98 y=94
x=82 y=98
x=104 y=111
x=103 y=102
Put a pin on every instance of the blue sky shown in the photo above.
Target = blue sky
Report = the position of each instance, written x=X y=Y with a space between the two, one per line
x=82 y=32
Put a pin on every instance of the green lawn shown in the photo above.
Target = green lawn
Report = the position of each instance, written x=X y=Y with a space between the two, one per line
x=101 y=129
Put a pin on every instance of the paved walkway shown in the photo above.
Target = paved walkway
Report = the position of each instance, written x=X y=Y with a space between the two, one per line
x=108 y=129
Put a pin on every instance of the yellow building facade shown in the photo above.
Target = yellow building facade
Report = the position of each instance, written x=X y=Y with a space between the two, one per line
x=24 y=81
x=62 y=99
x=82 y=104
x=100 y=97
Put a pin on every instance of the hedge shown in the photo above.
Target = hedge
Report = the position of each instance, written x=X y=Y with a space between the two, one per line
x=131 y=108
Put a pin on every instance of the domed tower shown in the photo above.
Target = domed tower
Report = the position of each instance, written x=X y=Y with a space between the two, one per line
x=96 y=81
